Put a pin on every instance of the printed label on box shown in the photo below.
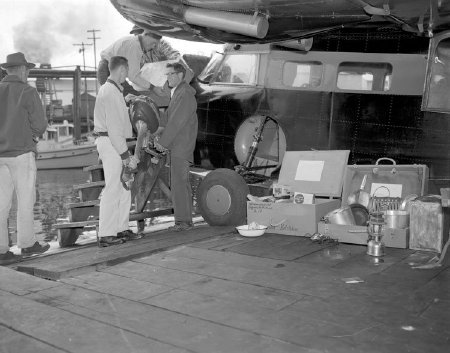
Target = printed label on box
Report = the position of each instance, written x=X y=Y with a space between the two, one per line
x=301 y=197
x=386 y=190
x=281 y=190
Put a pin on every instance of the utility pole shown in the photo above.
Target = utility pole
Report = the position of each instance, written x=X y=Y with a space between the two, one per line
x=94 y=39
x=82 y=50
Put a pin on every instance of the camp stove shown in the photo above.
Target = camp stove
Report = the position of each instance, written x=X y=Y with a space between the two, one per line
x=375 y=247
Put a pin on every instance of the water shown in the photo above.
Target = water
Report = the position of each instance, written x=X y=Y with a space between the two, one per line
x=54 y=191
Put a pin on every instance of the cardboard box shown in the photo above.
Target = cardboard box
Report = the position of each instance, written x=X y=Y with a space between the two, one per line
x=314 y=172
x=392 y=238
x=290 y=218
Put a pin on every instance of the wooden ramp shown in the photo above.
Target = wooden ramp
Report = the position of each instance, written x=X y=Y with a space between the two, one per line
x=88 y=258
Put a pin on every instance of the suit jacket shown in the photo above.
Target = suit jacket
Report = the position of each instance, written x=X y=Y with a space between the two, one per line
x=22 y=117
x=180 y=133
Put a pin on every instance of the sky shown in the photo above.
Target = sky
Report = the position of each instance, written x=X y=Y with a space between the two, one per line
x=46 y=31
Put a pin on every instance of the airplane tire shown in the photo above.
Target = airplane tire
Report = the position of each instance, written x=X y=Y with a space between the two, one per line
x=221 y=197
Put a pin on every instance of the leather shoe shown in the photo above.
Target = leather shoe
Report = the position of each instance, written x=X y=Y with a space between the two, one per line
x=128 y=235
x=110 y=240
x=9 y=258
x=181 y=227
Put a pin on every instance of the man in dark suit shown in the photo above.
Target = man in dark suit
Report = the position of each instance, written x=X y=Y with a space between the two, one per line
x=179 y=136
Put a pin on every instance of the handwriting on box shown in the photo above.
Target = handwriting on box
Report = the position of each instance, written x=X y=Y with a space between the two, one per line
x=282 y=227
x=259 y=207
x=279 y=224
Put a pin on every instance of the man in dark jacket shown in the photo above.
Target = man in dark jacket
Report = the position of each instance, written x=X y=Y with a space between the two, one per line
x=179 y=137
x=22 y=121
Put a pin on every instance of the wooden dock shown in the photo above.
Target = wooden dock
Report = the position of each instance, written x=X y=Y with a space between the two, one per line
x=213 y=291
x=85 y=259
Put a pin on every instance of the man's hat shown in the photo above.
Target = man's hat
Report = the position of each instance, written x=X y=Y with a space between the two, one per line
x=16 y=59
x=136 y=30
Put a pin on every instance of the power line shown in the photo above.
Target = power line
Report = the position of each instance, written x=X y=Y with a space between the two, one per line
x=82 y=50
x=94 y=40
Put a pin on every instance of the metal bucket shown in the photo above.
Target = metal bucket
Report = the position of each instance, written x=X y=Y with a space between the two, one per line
x=397 y=219
x=342 y=216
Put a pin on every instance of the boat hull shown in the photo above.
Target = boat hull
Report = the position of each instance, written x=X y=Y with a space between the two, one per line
x=65 y=158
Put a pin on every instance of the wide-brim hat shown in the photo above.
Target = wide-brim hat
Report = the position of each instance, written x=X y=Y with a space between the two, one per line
x=16 y=59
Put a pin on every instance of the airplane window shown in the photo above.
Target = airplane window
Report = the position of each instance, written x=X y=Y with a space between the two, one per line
x=304 y=75
x=364 y=76
x=238 y=69
x=210 y=69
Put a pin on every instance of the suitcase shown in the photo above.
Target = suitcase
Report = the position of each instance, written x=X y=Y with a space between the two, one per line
x=387 y=181
x=387 y=184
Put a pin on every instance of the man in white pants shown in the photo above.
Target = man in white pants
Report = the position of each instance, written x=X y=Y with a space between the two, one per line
x=112 y=124
x=22 y=121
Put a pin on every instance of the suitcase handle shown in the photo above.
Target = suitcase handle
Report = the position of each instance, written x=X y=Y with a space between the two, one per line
x=393 y=171
x=385 y=159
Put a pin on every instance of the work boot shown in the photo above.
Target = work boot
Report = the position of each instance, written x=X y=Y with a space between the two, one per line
x=35 y=249
x=128 y=235
x=180 y=227
x=110 y=240
x=9 y=258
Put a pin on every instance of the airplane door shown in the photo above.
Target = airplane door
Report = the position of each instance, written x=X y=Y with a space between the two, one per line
x=436 y=97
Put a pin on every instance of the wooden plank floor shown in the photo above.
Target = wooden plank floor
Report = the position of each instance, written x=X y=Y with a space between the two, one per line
x=218 y=294
x=85 y=259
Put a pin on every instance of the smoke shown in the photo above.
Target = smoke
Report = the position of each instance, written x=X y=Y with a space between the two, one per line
x=52 y=28
x=36 y=37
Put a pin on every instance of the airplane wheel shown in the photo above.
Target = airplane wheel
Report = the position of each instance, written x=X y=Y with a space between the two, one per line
x=222 y=197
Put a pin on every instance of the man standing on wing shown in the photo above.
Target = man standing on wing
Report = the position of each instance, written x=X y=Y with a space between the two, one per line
x=179 y=137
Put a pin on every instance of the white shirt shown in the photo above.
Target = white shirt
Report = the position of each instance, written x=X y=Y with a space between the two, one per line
x=130 y=48
x=111 y=116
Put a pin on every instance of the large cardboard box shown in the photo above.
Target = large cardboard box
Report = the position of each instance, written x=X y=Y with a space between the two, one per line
x=290 y=218
x=392 y=238
x=314 y=172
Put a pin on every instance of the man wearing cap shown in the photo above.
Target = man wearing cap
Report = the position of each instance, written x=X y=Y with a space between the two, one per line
x=139 y=49
x=142 y=48
x=22 y=121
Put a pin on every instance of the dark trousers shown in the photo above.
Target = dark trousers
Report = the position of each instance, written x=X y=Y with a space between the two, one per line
x=181 y=189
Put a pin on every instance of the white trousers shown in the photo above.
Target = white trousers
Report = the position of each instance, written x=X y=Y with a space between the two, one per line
x=18 y=174
x=115 y=201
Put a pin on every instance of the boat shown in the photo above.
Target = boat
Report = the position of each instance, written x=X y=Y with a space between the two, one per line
x=58 y=150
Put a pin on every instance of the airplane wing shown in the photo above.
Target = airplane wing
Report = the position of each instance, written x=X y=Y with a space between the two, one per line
x=263 y=21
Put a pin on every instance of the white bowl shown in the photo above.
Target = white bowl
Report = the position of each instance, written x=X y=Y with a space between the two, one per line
x=246 y=232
